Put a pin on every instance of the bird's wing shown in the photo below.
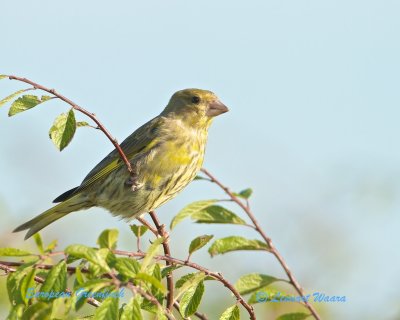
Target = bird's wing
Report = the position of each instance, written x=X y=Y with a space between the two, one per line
x=141 y=140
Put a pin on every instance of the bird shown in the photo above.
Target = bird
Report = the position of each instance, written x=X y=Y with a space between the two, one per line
x=165 y=153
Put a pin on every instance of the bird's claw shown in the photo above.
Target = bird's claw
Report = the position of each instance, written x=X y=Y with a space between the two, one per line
x=133 y=183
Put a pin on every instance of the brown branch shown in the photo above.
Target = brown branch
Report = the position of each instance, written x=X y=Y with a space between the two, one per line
x=268 y=240
x=85 y=112
x=5 y=267
x=170 y=280
x=216 y=275
x=148 y=225
x=160 y=228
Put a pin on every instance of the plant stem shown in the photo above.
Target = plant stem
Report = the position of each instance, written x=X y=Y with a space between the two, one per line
x=170 y=280
x=217 y=275
x=85 y=112
x=267 y=239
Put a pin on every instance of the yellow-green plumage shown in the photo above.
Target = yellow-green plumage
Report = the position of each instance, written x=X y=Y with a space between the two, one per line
x=166 y=153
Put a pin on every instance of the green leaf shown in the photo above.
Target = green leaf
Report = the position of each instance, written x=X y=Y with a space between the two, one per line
x=200 y=178
x=191 y=281
x=3 y=76
x=183 y=279
x=14 y=285
x=191 y=299
x=232 y=313
x=13 y=252
x=27 y=285
x=160 y=314
x=39 y=242
x=199 y=242
x=132 y=311
x=26 y=102
x=37 y=311
x=80 y=280
x=51 y=246
x=266 y=294
x=63 y=129
x=82 y=124
x=138 y=230
x=127 y=267
x=189 y=210
x=151 y=280
x=294 y=316
x=253 y=282
x=189 y=277
x=108 y=309
x=56 y=280
x=16 y=312
x=151 y=253
x=216 y=214
x=12 y=96
x=108 y=239
x=159 y=295
x=165 y=271
x=61 y=308
x=90 y=254
x=81 y=293
x=235 y=243
x=245 y=194
x=17 y=283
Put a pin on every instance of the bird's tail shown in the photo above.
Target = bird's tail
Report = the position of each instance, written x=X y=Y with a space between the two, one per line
x=42 y=220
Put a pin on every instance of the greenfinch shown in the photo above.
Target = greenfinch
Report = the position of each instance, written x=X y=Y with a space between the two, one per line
x=165 y=153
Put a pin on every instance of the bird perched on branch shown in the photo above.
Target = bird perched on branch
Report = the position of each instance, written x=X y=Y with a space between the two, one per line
x=166 y=153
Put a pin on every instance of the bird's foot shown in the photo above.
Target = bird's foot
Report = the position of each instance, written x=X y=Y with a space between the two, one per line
x=133 y=183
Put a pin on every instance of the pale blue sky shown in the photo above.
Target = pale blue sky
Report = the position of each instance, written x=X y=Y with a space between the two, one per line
x=313 y=88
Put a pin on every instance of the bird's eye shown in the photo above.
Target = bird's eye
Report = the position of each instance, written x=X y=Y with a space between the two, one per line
x=196 y=99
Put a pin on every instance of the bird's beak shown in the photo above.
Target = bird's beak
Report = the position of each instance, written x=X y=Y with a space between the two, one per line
x=216 y=108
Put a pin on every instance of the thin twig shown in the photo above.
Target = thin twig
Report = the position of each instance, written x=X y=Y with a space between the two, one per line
x=170 y=280
x=6 y=266
x=151 y=298
x=268 y=240
x=148 y=225
x=85 y=112
x=217 y=275
x=160 y=228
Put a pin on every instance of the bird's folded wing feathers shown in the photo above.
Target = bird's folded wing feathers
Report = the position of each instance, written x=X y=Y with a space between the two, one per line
x=138 y=142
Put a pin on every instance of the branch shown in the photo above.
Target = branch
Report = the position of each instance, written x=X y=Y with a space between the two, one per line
x=216 y=275
x=268 y=240
x=160 y=228
x=6 y=266
x=148 y=225
x=85 y=112
x=151 y=298
x=170 y=280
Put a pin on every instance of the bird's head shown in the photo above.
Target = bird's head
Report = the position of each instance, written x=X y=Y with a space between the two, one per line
x=195 y=107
